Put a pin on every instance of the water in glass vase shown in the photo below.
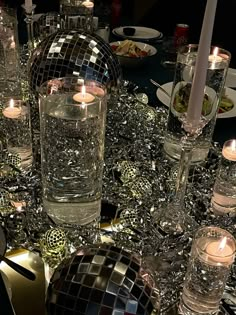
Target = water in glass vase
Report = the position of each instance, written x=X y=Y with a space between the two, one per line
x=72 y=144
x=203 y=287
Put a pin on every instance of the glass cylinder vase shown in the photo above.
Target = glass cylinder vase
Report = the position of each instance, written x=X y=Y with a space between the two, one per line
x=224 y=191
x=212 y=255
x=217 y=69
x=9 y=47
x=72 y=128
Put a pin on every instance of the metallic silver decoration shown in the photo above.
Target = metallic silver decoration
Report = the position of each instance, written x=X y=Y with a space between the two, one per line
x=75 y=53
x=103 y=279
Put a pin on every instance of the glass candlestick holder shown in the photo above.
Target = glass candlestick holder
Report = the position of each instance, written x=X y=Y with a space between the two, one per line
x=212 y=254
x=184 y=71
x=224 y=192
x=17 y=128
x=72 y=128
x=29 y=14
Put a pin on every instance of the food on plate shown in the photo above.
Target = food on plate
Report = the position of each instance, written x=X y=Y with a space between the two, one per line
x=226 y=104
x=182 y=97
x=130 y=49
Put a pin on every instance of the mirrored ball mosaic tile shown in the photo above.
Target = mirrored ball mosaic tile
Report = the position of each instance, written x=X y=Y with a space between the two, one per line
x=102 y=280
x=74 y=53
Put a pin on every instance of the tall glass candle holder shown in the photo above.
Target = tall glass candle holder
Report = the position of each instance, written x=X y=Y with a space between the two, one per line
x=224 y=192
x=212 y=255
x=184 y=71
x=17 y=125
x=9 y=46
x=72 y=128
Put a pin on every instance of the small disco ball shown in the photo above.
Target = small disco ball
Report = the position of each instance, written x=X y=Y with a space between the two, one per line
x=55 y=240
x=74 y=53
x=102 y=280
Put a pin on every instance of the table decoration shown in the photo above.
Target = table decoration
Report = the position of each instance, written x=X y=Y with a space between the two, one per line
x=183 y=83
x=17 y=129
x=29 y=8
x=224 y=190
x=9 y=47
x=212 y=255
x=72 y=127
x=130 y=137
x=47 y=24
x=89 y=57
x=103 y=279
x=77 y=14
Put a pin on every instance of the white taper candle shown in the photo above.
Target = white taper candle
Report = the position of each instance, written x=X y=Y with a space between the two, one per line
x=199 y=79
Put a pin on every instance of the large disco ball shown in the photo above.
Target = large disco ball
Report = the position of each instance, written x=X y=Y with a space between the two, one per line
x=74 y=52
x=102 y=280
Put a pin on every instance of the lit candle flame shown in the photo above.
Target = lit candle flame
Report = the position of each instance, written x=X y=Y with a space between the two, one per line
x=83 y=91
x=11 y=103
x=233 y=145
x=215 y=51
x=222 y=243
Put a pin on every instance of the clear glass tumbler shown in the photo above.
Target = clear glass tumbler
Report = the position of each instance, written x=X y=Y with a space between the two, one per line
x=212 y=255
x=72 y=128
x=224 y=192
x=184 y=71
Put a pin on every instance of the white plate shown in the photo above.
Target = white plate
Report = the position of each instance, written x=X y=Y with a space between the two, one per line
x=144 y=33
x=228 y=92
x=231 y=78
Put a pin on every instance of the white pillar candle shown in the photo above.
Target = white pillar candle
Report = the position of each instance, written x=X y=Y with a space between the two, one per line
x=83 y=96
x=11 y=111
x=199 y=79
x=229 y=150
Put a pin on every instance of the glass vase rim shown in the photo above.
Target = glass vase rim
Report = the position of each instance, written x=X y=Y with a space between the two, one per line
x=224 y=233
x=221 y=51
x=74 y=81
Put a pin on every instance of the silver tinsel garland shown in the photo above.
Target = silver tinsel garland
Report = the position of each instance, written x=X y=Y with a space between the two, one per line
x=138 y=182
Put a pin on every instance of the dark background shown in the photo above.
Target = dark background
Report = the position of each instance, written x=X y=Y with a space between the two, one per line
x=160 y=14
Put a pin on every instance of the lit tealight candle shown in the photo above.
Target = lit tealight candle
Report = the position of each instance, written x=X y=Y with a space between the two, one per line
x=229 y=150
x=88 y=4
x=219 y=252
x=12 y=111
x=215 y=58
x=83 y=97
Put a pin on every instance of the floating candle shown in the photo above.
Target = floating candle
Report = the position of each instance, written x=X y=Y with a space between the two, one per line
x=88 y=4
x=219 y=252
x=12 y=111
x=229 y=150
x=83 y=97
x=214 y=57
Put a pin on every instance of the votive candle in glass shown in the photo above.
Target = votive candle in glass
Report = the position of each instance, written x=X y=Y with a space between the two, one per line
x=224 y=192
x=212 y=255
x=17 y=126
